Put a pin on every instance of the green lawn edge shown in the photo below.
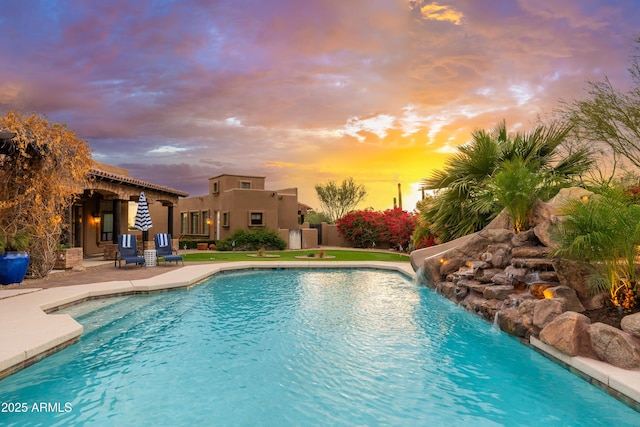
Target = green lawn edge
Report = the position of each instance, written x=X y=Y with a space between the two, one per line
x=332 y=255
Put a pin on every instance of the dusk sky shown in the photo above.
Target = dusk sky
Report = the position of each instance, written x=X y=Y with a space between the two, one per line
x=303 y=92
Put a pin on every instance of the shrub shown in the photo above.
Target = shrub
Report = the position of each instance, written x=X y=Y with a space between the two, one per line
x=398 y=227
x=193 y=243
x=367 y=228
x=604 y=231
x=245 y=240
x=363 y=228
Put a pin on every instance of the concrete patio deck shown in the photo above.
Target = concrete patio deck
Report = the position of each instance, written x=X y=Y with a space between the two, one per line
x=29 y=333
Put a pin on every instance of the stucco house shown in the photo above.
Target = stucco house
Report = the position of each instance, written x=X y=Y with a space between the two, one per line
x=242 y=201
x=106 y=205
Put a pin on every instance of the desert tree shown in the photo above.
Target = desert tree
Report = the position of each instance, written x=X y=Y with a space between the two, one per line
x=609 y=118
x=339 y=199
x=42 y=169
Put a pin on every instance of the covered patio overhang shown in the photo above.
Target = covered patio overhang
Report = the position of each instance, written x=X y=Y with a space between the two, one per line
x=102 y=210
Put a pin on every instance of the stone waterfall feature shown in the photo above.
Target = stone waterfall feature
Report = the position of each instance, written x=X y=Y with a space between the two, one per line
x=510 y=280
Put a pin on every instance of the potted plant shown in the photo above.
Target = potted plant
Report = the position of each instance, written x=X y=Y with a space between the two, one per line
x=14 y=260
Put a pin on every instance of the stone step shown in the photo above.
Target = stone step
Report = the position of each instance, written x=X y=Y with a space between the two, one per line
x=530 y=252
x=539 y=264
x=474 y=286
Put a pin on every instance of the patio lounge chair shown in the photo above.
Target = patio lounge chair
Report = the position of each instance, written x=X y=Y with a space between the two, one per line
x=128 y=251
x=163 y=249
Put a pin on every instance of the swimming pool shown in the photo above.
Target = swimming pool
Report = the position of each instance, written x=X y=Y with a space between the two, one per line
x=299 y=347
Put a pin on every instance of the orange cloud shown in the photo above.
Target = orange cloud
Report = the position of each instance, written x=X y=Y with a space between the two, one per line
x=437 y=12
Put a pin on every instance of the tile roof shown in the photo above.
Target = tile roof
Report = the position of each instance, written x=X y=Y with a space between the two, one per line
x=123 y=179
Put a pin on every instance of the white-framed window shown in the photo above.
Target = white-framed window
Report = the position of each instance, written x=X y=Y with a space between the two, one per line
x=216 y=187
x=184 y=223
x=195 y=222
x=256 y=219
x=225 y=219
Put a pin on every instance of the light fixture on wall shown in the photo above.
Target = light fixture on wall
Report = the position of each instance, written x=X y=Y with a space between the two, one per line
x=96 y=218
x=209 y=221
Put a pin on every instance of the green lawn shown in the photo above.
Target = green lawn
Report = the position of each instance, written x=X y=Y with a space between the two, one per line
x=339 y=255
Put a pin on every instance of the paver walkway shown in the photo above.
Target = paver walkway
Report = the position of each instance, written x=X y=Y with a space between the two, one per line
x=103 y=272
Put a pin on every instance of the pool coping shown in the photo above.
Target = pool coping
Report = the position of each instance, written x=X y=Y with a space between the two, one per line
x=31 y=330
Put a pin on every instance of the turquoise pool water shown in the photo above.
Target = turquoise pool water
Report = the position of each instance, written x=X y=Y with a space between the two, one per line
x=299 y=347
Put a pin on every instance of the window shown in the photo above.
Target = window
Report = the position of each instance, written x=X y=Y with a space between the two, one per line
x=195 y=222
x=245 y=184
x=183 y=223
x=216 y=187
x=106 y=226
x=225 y=219
x=256 y=219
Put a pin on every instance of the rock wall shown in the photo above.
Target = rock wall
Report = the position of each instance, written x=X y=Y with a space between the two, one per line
x=510 y=280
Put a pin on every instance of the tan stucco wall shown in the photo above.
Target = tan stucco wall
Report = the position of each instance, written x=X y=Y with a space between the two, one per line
x=330 y=236
x=227 y=182
x=279 y=208
x=309 y=238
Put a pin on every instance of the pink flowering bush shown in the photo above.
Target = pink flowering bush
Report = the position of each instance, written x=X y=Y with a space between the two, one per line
x=368 y=227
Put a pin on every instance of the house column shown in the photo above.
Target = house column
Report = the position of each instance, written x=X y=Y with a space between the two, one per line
x=117 y=205
x=170 y=220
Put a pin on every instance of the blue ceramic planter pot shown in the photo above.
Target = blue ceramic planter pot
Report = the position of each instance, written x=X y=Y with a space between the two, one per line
x=13 y=267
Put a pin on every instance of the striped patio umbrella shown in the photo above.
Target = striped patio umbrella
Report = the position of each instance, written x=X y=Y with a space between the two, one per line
x=143 y=219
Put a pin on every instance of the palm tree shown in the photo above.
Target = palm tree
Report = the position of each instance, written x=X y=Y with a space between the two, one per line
x=465 y=200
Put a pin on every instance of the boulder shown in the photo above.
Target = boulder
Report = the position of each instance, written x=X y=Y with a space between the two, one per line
x=498 y=255
x=447 y=289
x=526 y=309
x=597 y=301
x=554 y=208
x=571 y=301
x=615 y=346
x=503 y=279
x=544 y=233
x=485 y=257
x=631 y=324
x=451 y=265
x=574 y=274
x=524 y=238
x=485 y=275
x=472 y=285
x=474 y=266
x=463 y=273
x=500 y=292
x=547 y=310
x=545 y=215
x=516 y=273
x=510 y=321
x=480 y=306
x=569 y=333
